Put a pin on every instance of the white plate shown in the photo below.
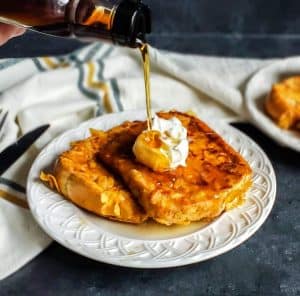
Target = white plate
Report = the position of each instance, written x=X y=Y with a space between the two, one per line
x=256 y=92
x=149 y=245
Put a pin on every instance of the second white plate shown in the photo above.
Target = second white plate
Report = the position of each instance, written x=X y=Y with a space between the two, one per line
x=256 y=93
x=149 y=245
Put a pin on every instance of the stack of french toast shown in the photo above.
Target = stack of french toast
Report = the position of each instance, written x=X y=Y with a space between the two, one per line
x=102 y=175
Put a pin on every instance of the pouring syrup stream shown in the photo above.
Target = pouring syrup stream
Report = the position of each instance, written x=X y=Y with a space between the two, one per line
x=144 y=48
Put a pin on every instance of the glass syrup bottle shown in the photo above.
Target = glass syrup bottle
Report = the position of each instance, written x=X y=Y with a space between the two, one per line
x=124 y=22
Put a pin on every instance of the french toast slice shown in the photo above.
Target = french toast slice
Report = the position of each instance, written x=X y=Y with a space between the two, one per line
x=283 y=103
x=80 y=178
x=215 y=179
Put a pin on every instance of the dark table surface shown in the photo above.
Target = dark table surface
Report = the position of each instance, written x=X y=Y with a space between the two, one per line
x=269 y=262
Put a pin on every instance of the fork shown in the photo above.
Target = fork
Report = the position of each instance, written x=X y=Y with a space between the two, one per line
x=3 y=117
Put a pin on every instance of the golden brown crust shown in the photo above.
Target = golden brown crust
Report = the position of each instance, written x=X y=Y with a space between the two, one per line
x=90 y=186
x=283 y=103
x=215 y=179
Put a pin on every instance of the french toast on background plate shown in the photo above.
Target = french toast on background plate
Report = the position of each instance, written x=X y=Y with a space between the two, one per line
x=283 y=103
x=102 y=175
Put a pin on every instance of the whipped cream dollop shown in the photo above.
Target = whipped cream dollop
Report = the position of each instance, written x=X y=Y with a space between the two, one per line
x=174 y=136
x=163 y=147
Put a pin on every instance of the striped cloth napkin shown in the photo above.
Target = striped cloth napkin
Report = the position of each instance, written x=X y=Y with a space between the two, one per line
x=67 y=90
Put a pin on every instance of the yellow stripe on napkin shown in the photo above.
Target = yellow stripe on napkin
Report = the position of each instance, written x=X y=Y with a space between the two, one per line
x=53 y=65
x=13 y=199
x=100 y=86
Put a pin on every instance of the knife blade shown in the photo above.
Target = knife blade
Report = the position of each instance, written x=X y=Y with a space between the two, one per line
x=12 y=153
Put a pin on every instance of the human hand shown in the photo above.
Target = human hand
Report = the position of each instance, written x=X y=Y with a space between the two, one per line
x=8 y=31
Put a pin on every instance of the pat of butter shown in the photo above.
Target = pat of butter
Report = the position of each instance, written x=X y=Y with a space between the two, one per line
x=164 y=147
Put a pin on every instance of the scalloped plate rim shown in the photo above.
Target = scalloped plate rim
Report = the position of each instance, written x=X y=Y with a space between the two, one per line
x=164 y=263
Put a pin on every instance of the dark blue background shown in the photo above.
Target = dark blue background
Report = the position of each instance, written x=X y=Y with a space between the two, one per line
x=268 y=263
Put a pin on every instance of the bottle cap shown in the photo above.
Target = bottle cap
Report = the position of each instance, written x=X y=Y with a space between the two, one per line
x=132 y=21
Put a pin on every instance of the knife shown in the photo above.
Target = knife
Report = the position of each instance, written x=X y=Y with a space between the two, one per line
x=12 y=153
